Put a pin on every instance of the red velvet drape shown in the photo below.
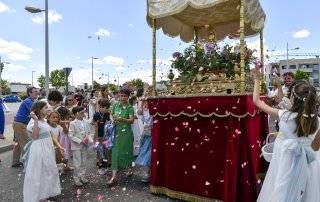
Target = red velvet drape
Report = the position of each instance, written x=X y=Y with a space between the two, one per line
x=207 y=155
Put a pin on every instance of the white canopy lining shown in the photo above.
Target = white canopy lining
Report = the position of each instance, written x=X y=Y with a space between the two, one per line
x=217 y=17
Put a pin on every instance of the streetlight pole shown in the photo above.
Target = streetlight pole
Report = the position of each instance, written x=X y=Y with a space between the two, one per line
x=38 y=10
x=47 y=47
x=297 y=48
x=92 y=58
x=32 y=77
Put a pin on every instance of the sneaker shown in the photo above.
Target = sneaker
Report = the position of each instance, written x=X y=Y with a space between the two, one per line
x=102 y=171
x=84 y=180
x=17 y=165
x=78 y=183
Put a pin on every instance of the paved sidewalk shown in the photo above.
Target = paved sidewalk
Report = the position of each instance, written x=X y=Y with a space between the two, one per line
x=7 y=144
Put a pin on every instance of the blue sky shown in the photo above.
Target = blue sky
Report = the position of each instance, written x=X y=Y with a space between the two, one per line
x=124 y=47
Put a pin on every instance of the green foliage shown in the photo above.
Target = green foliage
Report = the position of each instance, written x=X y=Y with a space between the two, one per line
x=112 y=87
x=57 y=78
x=211 y=58
x=4 y=84
x=301 y=75
x=96 y=85
x=41 y=81
x=137 y=83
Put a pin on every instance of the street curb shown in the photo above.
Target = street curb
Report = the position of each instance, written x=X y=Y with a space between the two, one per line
x=6 y=148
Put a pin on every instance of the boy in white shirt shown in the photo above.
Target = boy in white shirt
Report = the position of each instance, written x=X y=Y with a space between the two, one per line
x=79 y=132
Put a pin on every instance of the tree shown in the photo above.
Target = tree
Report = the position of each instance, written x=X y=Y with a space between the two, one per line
x=112 y=87
x=41 y=81
x=96 y=85
x=4 y=84
x=57 y=78
x=301 y=75
x=137 y=83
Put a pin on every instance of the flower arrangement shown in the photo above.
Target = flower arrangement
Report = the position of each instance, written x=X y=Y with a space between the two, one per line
x=208 y=57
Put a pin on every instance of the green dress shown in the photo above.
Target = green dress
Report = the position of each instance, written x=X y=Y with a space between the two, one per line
x=122 y=150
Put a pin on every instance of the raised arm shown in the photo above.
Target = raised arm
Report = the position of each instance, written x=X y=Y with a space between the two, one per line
x=256 y=94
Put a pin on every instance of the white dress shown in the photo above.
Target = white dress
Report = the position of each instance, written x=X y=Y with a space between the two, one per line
x=137 y=131
x=41 y=178
x=294 y=170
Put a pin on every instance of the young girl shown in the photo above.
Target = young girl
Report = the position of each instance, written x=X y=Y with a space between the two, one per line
x=135 y=126
x=79 y=132
x=42 y=178
x=64 y=139
x=144 y=158
x=293 y=173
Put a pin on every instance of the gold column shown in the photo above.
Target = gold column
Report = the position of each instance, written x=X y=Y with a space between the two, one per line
x=196 y=33
x=242 y=48
x=261 y=48
x=154 y=55
x=262 y=81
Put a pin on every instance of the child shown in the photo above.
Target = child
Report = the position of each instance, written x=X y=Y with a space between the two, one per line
x=293 y=173
x=64 y=139
x=42 y=178
x=144 y=158
x=135 y=126
x=79 y=132
x=56 y=130
x=99 y=120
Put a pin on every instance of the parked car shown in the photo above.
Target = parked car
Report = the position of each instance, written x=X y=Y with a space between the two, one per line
x=11 y=98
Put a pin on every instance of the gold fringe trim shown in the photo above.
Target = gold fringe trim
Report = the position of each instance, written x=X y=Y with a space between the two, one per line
x=180 y=195
x=205 y=115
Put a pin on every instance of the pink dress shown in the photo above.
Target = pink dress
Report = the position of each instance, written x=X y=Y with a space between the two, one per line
x=64 y=141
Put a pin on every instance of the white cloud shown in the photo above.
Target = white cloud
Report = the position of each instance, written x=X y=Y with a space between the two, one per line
x=5 y=8
x=110 y=60
x=304 y=33
x=102 y=32
x=53 y=16
x=15 y=50
x=13 y=68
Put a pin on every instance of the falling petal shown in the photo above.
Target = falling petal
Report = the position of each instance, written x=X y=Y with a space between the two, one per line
x=194 y=167
x=100 y=197
x=182 y=149
x=217 y=109
x=187 y=144
x=198 y=130
x=189 y=107
x=158 y=162
x=176 y=129
x=234 y=107
x=155 y=121
x=172 y=144
x=124 y=189
x=213 y=121
x=207 y=183
x=259 y=181
x=154 y=150
x=185 y=172
x=195 y=119
x=190 y=129
x=176 y=138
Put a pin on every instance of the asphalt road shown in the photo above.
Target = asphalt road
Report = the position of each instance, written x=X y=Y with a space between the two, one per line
x=11 y=185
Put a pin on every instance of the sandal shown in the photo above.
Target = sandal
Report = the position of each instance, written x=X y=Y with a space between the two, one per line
x=112 y=182
x=129 y=173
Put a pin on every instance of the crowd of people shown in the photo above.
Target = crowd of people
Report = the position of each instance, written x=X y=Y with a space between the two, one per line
x=55 y=134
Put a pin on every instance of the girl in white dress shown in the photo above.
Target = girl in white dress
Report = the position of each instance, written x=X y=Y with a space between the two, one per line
x=41 y=173
x=293 y=173
x=136 y=126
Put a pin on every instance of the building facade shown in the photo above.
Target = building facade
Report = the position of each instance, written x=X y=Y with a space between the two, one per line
x=309 y=66
x=17 y=87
